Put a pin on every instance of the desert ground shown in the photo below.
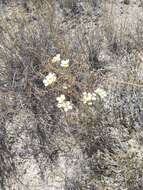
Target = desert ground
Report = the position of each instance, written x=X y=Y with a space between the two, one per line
x=71 y=95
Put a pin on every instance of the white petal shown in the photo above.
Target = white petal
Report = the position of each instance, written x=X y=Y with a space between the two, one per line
x=84 y=93
x=56 y=58
x=65 y=61
x=90 y=103
x=65 y=87
x=70 y=107
x=45 y=82
x=65 y=109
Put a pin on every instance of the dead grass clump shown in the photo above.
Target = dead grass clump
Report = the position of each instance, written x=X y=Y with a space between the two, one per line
x=28 y=42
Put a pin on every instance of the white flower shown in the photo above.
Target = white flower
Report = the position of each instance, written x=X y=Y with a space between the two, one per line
x=49 y=79
x=65 y=63
x=102 y=93
x=61 y=98
x=56 y=58
x=67 y=106
x=65 y=87
x=62 y=103
x=88 y=98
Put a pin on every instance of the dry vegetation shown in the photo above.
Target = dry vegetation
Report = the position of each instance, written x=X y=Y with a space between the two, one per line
x=95 y=147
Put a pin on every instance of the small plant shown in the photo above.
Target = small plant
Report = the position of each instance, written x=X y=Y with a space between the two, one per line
x=87 y=97
x=75 y=110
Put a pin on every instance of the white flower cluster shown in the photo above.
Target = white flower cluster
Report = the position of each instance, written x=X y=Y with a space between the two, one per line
x=63 y=103
x=57 y=59
x=49 y=79
x=88 y=98
x=102 y=93
x=65 y=63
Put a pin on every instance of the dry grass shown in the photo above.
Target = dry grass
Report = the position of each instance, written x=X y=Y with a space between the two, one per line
x=28 y=42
